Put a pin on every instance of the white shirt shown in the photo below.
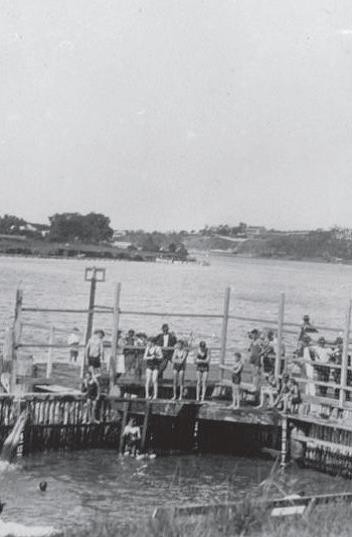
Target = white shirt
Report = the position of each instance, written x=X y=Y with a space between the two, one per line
x=323 y=354
x=166 y=340
x=73 y=339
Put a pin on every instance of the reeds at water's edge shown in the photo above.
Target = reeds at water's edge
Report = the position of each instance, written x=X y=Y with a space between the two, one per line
x=247 y=517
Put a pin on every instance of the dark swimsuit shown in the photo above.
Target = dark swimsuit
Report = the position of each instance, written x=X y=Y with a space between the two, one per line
x=180 y=366
x=152 y=362
x=205 y=366
x=236 y=377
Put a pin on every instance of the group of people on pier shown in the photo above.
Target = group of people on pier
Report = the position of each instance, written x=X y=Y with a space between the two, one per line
x=136 y=352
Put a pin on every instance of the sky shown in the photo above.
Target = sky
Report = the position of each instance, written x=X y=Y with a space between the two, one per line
x=174 y=114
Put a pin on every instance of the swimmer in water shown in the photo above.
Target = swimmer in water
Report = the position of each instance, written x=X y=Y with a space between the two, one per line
x=43 y=486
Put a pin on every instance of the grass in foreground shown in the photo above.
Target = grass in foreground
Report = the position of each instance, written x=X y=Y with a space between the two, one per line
x=333 y=520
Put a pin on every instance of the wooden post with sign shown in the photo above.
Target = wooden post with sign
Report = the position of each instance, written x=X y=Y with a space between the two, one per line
x=92 y=275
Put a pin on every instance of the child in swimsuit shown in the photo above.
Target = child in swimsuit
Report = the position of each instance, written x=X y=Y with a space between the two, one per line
x=95 y=352
x=92 y=390
x=178 y=360
x=236 y=380
x=202 y=363
x=152 y=356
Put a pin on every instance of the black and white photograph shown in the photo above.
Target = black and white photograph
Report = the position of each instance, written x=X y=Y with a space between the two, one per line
x=175 y=268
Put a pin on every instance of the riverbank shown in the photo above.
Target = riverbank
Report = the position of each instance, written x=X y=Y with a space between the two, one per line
x=251 y=521
x=44 y=249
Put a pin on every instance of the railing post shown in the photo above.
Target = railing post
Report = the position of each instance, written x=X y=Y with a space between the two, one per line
x=49 y=363
x=18 y=316
x=344 y=362
x=115 y=331
x=93 y=285
x=225 y=321
x=280 y=326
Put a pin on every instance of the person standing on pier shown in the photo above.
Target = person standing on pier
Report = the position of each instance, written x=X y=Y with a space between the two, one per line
x=153 y=356
x=255 y=355
x=236 y=377
x=94 y=352
x=73 y=341
x=306 y=329
x=202 y=364
x=91 y=388
x=167 y=341
x=179 y=366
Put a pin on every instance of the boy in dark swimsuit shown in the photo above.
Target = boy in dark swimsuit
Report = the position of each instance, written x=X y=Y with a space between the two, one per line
x=202 y=363
x=179 y=358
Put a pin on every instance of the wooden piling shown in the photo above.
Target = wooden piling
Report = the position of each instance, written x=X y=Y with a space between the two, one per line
x=280 y=325
x=49 y=363
x=18 y=316
x=344 y=363
x=115 y=330
x=123 y=424
x=225 y=321
x=284 y=443
x=148 y=411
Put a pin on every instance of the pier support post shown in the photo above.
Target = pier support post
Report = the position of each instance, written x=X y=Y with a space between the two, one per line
x=225 y=321
x=123 y=424
x=114 y=339
x=148 y=409
x=344 y=362
x=280 y=326
x=284 y=441
x=49 y=363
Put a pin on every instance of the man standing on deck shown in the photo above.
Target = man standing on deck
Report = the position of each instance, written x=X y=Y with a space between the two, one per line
x=166 y=340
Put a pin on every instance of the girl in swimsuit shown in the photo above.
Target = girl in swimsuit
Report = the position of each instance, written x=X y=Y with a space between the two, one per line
x=178 y=360
x=152 y=356
x=202 y=363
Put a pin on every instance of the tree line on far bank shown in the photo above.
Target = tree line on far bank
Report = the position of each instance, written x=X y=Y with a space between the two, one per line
x=92 y=228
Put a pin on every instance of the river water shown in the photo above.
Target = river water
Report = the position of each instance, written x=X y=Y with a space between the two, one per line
x=97 y=484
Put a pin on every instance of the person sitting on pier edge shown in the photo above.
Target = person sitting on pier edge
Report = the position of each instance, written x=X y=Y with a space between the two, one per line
x=178 y=360
x=202 y=365
x=91 y=388
x=95 y=351
x=322 y=355
x=153 y=356
x=167 y=341
x=269 y=389
x=255 y=355
x=132 y=438
x=73 y=341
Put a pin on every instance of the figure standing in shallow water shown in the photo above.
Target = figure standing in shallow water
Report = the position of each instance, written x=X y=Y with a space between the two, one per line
x=179 y=366
x=202 y=364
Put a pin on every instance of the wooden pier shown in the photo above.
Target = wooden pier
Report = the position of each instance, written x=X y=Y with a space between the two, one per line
x=50 y=391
